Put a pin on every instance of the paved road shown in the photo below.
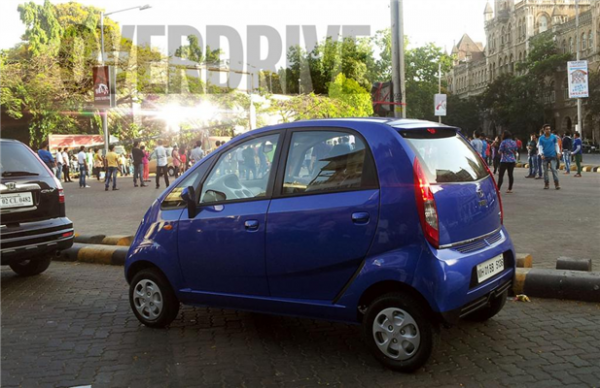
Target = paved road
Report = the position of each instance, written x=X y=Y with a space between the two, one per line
x=72 y=326
x=546 y=223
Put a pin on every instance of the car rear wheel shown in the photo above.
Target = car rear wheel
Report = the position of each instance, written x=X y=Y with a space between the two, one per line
x=493 y=308
x=398 y=332
x=31 y=267
x=152 y=299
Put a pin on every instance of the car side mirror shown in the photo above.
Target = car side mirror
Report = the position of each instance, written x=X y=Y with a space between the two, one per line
x=214 y=196
x=188 y=195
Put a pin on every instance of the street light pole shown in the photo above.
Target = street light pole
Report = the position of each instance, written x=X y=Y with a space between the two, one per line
x=579 y=118
x=398 y=58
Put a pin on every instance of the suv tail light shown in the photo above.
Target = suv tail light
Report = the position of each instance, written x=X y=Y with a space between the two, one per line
x=61 y=196
x=426 y=206
x=497 y=191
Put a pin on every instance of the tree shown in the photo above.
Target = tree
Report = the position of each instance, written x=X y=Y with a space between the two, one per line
x=354 y=99
x=464 y=113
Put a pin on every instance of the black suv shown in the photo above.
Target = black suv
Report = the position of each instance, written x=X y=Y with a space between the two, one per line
x=34 y=225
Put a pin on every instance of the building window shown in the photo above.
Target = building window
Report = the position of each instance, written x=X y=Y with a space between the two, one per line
x=571 y=45
x=543 y=23
x=583 y=42
x=564 y=47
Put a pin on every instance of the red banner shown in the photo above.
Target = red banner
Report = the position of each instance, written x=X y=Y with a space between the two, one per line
x=101 y=87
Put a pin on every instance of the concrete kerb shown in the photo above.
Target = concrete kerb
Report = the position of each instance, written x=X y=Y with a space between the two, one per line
x=558 y=284
x=120 y=240
x=95 y=254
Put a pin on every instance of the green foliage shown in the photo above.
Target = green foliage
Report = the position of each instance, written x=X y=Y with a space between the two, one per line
x=465 y=113
x=43 y=31
x=354 y=99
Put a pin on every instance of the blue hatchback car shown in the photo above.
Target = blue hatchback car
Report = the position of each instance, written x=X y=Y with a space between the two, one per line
x=392 y=224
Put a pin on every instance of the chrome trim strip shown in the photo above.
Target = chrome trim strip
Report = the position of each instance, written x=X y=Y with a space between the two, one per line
x=33 y=246
x=18 y=210
x=7 y=239
x=470 y=240
x=19 y=188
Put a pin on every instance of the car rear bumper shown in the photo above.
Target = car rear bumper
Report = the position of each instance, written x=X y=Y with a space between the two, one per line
x=31 y=239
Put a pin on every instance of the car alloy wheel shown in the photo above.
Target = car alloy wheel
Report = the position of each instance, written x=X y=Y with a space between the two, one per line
x=152 y=298
x=396 y=333
x=148 y=299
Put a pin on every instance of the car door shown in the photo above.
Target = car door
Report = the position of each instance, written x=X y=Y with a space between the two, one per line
x=222 y=248
x=323 y=216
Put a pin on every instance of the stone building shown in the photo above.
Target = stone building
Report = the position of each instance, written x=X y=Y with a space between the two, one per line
x=509 y=25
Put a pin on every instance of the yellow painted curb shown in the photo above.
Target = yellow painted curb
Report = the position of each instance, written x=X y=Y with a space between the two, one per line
x=96 y=254
x=587 y=169
x=526 y=165
x=519 y=283
x=120 y=240
x=524 y=260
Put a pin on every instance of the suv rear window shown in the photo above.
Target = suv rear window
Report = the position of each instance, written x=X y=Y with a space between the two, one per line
x=445 y=156
x=17 y=160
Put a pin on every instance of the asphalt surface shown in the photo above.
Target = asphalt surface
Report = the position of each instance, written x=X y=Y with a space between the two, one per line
x=546 y=223
x=72 y=326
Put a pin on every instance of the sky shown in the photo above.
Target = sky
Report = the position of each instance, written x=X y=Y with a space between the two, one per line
x=442 y=22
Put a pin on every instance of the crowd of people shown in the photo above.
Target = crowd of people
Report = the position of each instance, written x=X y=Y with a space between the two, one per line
x=545 y=152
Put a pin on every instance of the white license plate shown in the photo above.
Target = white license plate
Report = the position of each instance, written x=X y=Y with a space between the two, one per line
x=16 y=200
x=490 y=268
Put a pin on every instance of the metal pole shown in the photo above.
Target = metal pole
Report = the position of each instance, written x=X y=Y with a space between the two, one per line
x=103 y=113
x=397 y=32
x=440 y=85
x=579 y=118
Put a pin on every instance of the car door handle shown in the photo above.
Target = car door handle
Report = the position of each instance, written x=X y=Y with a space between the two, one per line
x=251 y=225
x=360 y=218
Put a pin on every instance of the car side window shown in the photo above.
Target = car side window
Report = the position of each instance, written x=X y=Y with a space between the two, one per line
x=327 y=161
x=242 y=172
x=173 y=200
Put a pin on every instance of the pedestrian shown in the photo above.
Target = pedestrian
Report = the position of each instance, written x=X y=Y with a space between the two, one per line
x=122 y=165
x=138 y=164
x=508 y=158
x=578 y=153
x=89 y=158
x=183 y=158
x=112 y=162
x=66 y=165
x=47 y=157
x=496 y=154
x=197 y=153
x=176 y=157
x=484 y=145
x=476 y=143
x=59 y=163
x=146 y=163
x=161 y=164
x=250 y=162
x=98 y=164
x=83 y=167
x=532 y=153
x=559 y=141
x=567 y=146
x=519 y=147
x=549 y=151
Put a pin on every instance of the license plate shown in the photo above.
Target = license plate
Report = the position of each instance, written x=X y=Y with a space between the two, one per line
x=490 y=268
x=16 y=200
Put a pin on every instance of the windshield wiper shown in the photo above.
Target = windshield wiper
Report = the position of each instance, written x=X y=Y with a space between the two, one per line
x=19 y=173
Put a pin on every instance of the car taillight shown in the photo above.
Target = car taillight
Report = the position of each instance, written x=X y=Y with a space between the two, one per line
x=497 y=191
x=426 y=206
x=61 y=196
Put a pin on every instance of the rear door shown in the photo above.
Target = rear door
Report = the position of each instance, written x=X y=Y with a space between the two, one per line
x=322 y=223
x=465 y=193
x=29 y=192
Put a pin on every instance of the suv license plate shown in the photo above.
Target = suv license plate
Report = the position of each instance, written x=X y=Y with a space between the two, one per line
x=16 y=200
x=490 y=268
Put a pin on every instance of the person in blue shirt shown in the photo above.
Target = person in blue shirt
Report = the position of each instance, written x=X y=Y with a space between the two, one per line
x=484 y=145
x=549 y=151
x=578 y=153
x=47 y=157
x=508 y=158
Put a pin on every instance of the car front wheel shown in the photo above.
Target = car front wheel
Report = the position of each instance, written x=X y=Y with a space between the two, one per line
x=398 y=332
x=152 y=299
x=31 y=267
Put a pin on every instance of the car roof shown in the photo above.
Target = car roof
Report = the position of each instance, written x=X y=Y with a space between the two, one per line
x=402 y=124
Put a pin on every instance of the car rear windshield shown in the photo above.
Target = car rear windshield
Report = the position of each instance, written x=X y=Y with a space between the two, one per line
x=445 y=156
x=17 y=160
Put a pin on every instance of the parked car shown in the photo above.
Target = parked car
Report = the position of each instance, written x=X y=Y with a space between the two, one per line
x=34 y=224
x=152 y=162
x=393 y=224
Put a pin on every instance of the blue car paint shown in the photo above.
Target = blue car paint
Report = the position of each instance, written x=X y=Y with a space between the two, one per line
x=398 y=251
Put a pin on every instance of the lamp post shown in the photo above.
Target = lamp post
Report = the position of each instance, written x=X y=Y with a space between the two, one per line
x=104 y=112
x=579 y=119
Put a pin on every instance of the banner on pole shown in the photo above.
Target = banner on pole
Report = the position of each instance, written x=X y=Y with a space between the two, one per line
x=439 y=104
x=578 y=79
x=104 y=86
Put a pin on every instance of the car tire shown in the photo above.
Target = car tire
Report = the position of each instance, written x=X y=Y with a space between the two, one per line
x=31 y=267
x=494 y=307
x=409 y=343
x=171 y=171
x=152 y=298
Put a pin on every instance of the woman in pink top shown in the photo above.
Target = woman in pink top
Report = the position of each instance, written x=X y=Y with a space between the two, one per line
x=145 y=163
x=176 y=160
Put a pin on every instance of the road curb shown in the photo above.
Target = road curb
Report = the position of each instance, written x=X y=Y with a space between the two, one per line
x=95 y=254
x=558 y=284
x=89 y=238
x=120 y=240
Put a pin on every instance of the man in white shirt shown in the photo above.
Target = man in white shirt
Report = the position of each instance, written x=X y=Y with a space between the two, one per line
x=67 y=165
x=161 y=164
x=59 y=163
x=81 y=159
x=197 y=153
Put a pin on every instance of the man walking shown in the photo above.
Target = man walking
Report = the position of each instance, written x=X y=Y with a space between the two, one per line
x=83 y=167
x=138 y=164
x=476 y=143
x=67 y=165
x=484 y=146
x=532 y=153
x=112 y=160
x=197 y=153
x=59 y=163
x=161 y=164
x=47 y=157
x=550 y=152
x=578 y=153
x=567 y=147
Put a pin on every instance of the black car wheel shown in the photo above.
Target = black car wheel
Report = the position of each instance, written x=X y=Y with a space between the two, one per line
x=399 y=332
x=493 y=308
x=31 y=267
x=152 y=299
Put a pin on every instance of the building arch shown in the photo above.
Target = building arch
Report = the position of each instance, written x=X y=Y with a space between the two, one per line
x=543 y=22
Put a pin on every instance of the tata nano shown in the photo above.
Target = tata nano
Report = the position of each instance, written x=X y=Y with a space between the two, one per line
x=392 y=224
